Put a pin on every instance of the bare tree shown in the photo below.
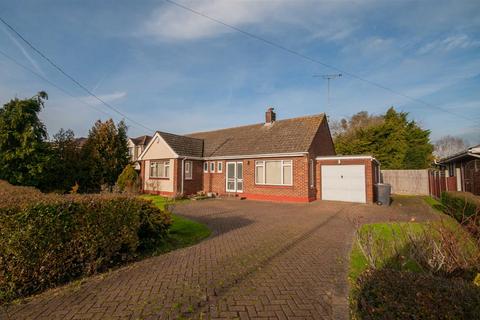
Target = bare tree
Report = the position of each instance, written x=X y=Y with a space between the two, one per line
x=337 y=127
x=447 y=146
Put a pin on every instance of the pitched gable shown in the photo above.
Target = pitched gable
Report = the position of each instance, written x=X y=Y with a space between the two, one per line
x=157 y=148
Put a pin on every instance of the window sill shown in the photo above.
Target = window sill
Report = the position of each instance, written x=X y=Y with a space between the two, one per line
x=154 y=178
x=284 y=186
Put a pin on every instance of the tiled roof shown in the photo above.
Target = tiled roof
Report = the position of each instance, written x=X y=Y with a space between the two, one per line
x=142 y=140
x=462 y=154
x=283 y=136
x=182 y=145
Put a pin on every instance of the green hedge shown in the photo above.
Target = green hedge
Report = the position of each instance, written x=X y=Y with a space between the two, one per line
x=55 y=239
x=390 y=294
x=460 y=204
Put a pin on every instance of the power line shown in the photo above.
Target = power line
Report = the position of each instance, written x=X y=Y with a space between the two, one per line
x=50 y=82
x=308 y=58
x=56 y=66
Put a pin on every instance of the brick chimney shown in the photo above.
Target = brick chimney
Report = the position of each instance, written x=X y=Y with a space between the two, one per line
x=270 y=116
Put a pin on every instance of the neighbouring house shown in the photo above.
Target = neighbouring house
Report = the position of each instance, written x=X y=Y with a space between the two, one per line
x=462 y=170
x=136 y=146
x=280 y=160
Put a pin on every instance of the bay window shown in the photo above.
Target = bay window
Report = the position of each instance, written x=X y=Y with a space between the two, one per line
x=160 y=169
x=274 y=172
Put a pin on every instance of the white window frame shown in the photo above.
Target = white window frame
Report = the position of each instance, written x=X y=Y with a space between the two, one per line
x=188 y=173
x=205 y=167
x=236 y=180
x=157 y=164
x=451 y=169
x=219 y=166
x=284 y=163
x=212 y=166
x=312 y=173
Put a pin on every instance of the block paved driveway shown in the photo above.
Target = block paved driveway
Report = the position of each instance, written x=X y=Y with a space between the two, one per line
x=263 y=261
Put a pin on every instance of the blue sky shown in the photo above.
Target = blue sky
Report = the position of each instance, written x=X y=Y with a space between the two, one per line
x=174 y=71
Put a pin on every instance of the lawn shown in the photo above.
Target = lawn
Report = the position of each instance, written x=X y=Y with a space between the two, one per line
x=182 y=233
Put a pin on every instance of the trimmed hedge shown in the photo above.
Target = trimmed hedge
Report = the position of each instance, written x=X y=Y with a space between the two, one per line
x=55 y=239
x=390 y=294
x=460 y=204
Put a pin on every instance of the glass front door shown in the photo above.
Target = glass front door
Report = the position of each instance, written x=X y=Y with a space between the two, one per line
x=234 y=177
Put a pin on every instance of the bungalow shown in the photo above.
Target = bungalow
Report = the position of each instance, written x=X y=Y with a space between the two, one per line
x=462 y=170
x=279 y=160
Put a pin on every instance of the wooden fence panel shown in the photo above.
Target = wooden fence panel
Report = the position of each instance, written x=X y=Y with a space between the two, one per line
x=413 y=182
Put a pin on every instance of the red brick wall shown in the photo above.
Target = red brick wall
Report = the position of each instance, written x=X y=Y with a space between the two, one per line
x=196 y=183
x=322 y=144
x=189 y=186
x=299 y=191
x=215 y=182
x=370 y=177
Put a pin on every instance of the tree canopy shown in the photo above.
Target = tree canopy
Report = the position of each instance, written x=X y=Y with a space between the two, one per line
x=391 y=138
x=28 y=158
x=105 y=154
x=23 y=151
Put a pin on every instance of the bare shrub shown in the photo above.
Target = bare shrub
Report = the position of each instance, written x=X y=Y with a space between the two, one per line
x=443 y=249
x=439 y=248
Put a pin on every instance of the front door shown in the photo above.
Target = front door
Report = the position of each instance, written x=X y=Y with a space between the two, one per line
x=234 y=177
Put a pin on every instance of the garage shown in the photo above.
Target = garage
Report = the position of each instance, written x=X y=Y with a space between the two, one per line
x=344 y=183
x=347 y=178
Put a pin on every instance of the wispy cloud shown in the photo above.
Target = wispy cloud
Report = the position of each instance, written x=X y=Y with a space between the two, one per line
x=109 y=97
x=169 y=22
x=459 y=41
x=25 y=53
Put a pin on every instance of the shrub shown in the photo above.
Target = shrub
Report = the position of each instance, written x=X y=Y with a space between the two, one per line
x=390 y=294
x=460 y=204
x=58 y=238
x=14 y=194
x=128 y=179
x=439 y=248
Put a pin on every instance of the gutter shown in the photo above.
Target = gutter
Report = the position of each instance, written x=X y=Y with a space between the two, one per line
x=347 y=158
x=459 y=156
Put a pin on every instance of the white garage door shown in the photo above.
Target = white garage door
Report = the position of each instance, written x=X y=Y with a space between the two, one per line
x=343 y=183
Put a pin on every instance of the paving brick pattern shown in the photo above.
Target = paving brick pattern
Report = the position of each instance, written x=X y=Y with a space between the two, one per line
x=263 y=261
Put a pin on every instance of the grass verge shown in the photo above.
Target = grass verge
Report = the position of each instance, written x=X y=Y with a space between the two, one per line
x=182 y=233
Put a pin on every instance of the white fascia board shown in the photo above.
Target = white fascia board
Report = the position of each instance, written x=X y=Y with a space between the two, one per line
x=347 y=158
x=156 y=135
